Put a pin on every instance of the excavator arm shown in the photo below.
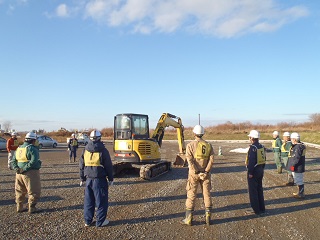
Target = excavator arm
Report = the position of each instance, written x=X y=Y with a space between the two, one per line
x=170 y=120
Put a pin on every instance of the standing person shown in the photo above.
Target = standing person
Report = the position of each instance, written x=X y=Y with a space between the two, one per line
x=95 y=166
x=12 y=145
x=255 y=162
x=276 y=147
x=72 y=147
x=26 y=163
x=285 y=148
x=199 y=154
x=296 y=163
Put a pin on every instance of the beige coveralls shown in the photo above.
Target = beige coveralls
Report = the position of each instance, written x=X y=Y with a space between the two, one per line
x=197 y=165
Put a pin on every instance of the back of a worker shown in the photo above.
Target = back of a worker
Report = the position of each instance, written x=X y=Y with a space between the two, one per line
x=199 y=154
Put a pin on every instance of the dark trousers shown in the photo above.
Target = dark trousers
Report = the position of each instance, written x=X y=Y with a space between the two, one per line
x=73 y=151
x=96 y=195
x=256 y=190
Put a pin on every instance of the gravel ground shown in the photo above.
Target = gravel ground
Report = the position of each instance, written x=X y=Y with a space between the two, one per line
x=152 y=209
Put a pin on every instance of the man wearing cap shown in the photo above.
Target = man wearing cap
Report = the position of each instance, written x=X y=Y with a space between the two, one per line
x=255 y=163
x=285 y=148
x=199 y=154
x=276 y=147
x=296 y=163
x=12 y=145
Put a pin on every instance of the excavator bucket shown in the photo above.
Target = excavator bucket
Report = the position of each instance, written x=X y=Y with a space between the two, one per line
x=180 y=161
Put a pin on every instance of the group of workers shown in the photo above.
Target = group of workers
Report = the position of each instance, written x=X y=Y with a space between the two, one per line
x=96 y=172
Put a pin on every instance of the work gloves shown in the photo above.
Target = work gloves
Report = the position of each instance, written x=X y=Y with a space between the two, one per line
x=202 y=176
x=82 y=183
x=19 y=170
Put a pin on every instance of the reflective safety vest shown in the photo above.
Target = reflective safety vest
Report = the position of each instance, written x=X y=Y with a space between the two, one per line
x=16 y=143
x=261 y=156
x=284 y=147
x=92 y=159
x=74 y=142
x=274 y=143
x=303 y=152
x=203 y=150
x=21 y=154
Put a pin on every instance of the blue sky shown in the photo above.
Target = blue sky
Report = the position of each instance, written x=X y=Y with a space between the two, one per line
x=75 y=64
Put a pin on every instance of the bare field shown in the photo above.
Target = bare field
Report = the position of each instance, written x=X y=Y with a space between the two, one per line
x=152 y=209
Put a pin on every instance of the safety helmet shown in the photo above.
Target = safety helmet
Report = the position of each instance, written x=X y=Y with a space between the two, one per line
x=95 y=135
x=275 y=133
x=13 y=134
x=198 y=130
x=295 y=135
x=254 y=134
x=286 y=134
x=31 y=135
x=72 y=135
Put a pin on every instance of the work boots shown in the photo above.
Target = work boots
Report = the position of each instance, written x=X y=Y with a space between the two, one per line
x=300 y=193
x=32 y=208
x=188 y=219
x=290 y=180
x=208 y=216
x=20 y=208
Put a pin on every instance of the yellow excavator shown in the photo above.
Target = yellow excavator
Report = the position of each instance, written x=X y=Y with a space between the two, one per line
x=134 y=148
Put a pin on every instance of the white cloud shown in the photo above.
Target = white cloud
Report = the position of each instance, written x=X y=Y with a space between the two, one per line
x=222 y=18
x=62 y=10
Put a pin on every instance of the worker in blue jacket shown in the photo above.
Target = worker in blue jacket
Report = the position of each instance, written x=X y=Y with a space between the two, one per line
x=255 y=163
x=95 y=167
x=297 y=162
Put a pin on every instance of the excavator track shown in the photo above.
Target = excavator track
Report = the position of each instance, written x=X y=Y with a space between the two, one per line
x=153 y=170
x=148 y=171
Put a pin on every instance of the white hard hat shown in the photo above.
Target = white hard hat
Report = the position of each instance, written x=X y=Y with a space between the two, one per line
x=254 y=134
x=72 y=135
x=295 y=135
x=13 y=134
x=286 y=134
x=275 y=133
x=198 y=130
x=31 y=135
x=95 y=135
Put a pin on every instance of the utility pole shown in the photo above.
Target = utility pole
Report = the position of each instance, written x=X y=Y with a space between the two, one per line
x=199 y=118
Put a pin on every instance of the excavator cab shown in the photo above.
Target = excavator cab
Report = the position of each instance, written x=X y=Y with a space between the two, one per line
x=131 y=126
x=132 y=142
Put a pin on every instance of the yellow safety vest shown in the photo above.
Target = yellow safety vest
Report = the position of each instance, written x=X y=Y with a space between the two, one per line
x=274 y=143
x=21 y=154
x=261 y=156
x=303 y=152
x=74 y=142
x=92 y=159
x=16 y=143
x=203 y=150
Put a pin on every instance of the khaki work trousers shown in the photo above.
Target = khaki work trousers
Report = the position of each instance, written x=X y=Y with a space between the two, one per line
x=28 y=183
x=192 y=187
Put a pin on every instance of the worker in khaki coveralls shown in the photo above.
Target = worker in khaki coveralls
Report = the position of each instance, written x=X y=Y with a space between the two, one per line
x=199 y=154
x=26 y=163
